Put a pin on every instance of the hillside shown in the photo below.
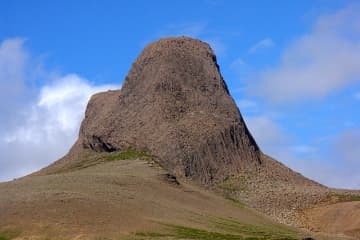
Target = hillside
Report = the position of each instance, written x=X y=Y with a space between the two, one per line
x=128 y=196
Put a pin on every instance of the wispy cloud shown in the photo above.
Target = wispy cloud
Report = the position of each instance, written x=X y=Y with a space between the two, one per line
x=269 y=135
x=264 y=43
x=237 y=63
x=13 y=59
x=45 y=123
x=303 y=149
x=347 y=147
x=341 y=166
x=337 y=165
x=246 y=104
x=318 y=63
x=357 y=95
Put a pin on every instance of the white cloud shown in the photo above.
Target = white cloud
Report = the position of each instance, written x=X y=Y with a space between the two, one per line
x=56 y=113
x=46 y=122
x=264 y=43
x=318 y=63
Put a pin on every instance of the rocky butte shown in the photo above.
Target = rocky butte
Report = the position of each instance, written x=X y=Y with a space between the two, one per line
x=174 y=105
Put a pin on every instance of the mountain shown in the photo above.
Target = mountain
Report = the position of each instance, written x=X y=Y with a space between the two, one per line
x=169 y=156
x=175 y=105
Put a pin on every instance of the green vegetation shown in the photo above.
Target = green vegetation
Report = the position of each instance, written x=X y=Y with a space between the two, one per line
x=8 y=234
x=127 y=155
x=235 y=202
x=89 y=158
x=249 y=231
x=233 y=184
x=4 y=237
x=230 y=186
x=153 y=235
x=345 y=197
x=180 y=232
x=223 y=229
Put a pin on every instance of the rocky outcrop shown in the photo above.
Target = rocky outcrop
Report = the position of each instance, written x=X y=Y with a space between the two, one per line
x=175 y=105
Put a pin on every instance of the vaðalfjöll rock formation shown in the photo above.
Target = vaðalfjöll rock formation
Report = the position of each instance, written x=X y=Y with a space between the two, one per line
x=175 y=105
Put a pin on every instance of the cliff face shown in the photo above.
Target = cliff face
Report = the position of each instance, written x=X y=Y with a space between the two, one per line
x=175 y=105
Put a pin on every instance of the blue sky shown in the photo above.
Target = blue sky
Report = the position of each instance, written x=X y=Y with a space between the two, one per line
x=291 y=66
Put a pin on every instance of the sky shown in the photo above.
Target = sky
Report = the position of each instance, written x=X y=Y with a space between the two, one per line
x=292 y=67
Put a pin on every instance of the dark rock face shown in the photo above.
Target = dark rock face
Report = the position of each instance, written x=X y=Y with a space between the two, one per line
x=175 y=105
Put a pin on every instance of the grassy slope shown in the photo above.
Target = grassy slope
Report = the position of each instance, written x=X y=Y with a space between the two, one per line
x=129 y=198
x=132 y=198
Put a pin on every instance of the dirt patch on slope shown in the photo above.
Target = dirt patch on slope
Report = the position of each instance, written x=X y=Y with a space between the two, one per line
x=342 y=218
